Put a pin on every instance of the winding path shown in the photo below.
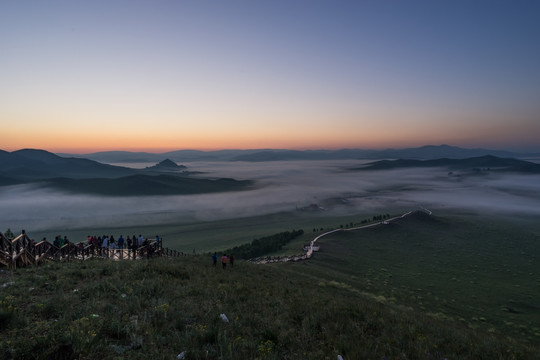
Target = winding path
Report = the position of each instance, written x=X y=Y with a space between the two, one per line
x=311 y=250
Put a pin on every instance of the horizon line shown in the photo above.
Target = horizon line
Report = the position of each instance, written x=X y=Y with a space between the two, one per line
x=162 y=151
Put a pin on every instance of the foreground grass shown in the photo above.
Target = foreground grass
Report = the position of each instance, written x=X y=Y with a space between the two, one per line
x=480 y=271
x=163 y=307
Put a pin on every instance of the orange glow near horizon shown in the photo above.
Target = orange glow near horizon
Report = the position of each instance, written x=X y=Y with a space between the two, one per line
x=378 y=131
x=155 y=144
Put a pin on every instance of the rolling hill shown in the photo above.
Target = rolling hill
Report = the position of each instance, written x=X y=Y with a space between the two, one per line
x=419 y=288
x=166 y=165
x=144 y=185
x=258 y=155
x=76 y=175
x=32 y=164
x=482 y=163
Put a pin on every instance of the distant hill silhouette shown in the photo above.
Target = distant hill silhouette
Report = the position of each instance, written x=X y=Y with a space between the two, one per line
x=166 y=165
x=178 y=156
x=78 y=175
x=490 y=162
x=143 y=185
x=258 y=155
x=31 y=164
x=424 y=152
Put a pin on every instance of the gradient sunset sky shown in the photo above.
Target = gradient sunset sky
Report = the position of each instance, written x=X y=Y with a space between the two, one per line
x=85 y=76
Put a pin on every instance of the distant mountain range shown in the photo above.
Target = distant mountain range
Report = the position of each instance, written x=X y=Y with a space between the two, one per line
x=257 y=155
x=481 y=163
x=89 y=176
x=79 y=175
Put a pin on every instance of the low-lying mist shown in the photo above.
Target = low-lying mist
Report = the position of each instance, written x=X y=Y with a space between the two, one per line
x=281 y=186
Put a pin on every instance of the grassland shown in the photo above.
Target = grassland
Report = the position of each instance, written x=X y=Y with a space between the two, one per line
x=451 y=285
x=476 y=270
x=164 y=307
x=184 y=234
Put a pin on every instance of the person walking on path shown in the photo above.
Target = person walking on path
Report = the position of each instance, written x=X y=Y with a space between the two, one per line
x=224 y=261
x=231 y=260
x=214 y=259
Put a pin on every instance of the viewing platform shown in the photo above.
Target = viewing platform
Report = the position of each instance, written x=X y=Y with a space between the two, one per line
x=23 y=251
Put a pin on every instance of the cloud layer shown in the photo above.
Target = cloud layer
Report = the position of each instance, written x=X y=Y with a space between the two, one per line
x=282 y=186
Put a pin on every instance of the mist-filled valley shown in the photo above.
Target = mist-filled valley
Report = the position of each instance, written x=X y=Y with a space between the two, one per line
x=329 y=187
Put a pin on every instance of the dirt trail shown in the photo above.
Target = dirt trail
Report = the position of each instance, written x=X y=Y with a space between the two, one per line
x=313 y=247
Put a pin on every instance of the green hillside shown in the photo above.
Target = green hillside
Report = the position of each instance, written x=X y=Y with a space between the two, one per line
x=479 y=271
x=163 y=307
x=454 y=286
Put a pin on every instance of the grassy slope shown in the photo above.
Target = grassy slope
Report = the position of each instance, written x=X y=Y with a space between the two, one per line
x=159 y=308
x=204 y=236
x=479 y=271
x=365 y=295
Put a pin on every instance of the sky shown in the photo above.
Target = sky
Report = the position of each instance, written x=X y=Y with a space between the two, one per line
x=84 y=76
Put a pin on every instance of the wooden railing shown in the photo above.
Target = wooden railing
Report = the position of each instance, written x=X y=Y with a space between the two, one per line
x=22 y=251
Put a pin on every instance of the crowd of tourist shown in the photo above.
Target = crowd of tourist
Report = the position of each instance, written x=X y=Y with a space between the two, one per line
x=130 y=242
x=109 y=241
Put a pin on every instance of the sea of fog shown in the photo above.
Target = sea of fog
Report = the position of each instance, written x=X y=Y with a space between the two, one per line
x=281 y=186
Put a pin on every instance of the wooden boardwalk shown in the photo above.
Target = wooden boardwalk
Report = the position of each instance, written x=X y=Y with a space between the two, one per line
x=23 y=251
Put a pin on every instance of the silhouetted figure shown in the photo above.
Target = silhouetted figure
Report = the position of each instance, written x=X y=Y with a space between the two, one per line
x=135 y=246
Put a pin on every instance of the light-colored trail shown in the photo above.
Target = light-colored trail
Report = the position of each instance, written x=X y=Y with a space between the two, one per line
x=313 y=246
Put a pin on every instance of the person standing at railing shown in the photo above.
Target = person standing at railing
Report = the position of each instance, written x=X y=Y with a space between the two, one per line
x=140 y=240
x=96 y=240
x=121 y=242
x=135 y=246
x=145 y=247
